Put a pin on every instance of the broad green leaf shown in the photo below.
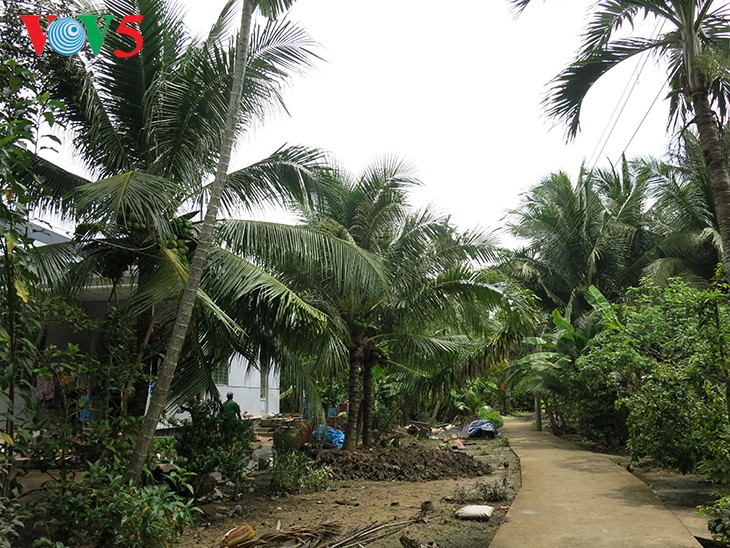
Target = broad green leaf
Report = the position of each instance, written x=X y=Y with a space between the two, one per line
x=21 y=289
x=12 y=243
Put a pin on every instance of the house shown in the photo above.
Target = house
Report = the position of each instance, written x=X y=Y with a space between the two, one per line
x=256 y=391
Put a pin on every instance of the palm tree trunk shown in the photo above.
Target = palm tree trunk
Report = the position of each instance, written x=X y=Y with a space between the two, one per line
x=353 y=411
x=507 y=405
x=185 y=310
x=538 y=414
x=367 y=403
x=717 y=167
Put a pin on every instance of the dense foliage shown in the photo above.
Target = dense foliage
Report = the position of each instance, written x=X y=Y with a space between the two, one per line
x=103 y=509
x=611 y=313
x=212 y=440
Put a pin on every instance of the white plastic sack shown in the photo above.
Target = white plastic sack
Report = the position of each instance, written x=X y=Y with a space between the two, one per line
x=475 y=511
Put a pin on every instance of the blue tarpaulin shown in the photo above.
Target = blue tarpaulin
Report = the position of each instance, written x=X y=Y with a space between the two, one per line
x=335 y=438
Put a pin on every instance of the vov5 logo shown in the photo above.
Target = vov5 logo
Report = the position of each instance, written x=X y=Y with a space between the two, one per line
x=67 y=35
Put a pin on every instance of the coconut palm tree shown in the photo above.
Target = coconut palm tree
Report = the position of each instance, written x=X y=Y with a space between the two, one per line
x=150 y=128
x=565 y=227
x=599 y=231
x=625 y=191
x=270 y=9
x=695 y=45
x=684 y=217
x=416 y=321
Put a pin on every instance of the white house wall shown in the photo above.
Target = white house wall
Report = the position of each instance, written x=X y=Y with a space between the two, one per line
x=246 y=387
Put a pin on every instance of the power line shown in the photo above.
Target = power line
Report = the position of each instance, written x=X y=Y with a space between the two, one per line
x=610 y=119
x=634 y=78
x=643 y=119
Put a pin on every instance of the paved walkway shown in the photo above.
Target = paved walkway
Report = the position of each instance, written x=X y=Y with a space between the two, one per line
x=574 y=498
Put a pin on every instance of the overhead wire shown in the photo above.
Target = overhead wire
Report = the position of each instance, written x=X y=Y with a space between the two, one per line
x=646 y=114
x=630 y=86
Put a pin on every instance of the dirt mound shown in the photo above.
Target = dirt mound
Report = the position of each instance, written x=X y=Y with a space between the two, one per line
x=411 y=463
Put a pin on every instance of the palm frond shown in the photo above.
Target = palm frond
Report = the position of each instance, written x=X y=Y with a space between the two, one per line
x=273 y=9
x=568 y=90
x=52 y=188
x=315 y=254
x=291 y=173
x=116 y=198
x=231 y=280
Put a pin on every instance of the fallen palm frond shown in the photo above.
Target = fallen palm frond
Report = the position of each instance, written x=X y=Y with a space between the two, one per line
x=373 y=532
x=296 y=537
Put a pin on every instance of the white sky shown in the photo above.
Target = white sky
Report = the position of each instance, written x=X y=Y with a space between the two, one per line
x=454 y=88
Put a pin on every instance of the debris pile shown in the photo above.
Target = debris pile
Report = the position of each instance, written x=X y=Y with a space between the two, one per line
x=410 y=463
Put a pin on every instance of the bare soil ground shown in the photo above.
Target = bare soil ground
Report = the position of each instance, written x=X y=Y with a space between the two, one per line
x=447 y=478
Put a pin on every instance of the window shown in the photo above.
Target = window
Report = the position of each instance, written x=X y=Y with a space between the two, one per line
x=220 y=374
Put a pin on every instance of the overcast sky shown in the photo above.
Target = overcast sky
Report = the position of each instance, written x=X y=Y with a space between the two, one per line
x=454 y=88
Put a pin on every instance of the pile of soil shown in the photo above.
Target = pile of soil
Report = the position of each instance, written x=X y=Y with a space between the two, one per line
x=410 y=463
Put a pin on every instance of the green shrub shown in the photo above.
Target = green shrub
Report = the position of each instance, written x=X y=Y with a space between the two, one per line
x=719 y=522
x=607 y=371
x=103 y=509
x=211 y=440
x=717 y=467
x=486 y=413
x=671 y=423
x=293 y=471
x=163 y=448
x=11 y=521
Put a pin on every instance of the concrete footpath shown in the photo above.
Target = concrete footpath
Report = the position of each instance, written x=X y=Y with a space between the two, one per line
x=572 y=497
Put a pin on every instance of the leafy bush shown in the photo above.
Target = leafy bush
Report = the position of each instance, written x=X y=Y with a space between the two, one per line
x=719 y=522
x=11 y=520
x=669 y=422
x=486 y=413
x=470 y=399
x=104 y=509
x=606 y=373
x=212 y=440
x=294 y=471
x=163 y=448
x=717 y=467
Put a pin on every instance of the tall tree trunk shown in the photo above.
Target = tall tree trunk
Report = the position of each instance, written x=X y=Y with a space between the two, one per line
x=353 y=392
x=507 y=405
x=185 y=310
x=358 y=357
x=538 y=414
x=367 y=403
x=551 y=417
x=717 y=167
x=137 y=402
